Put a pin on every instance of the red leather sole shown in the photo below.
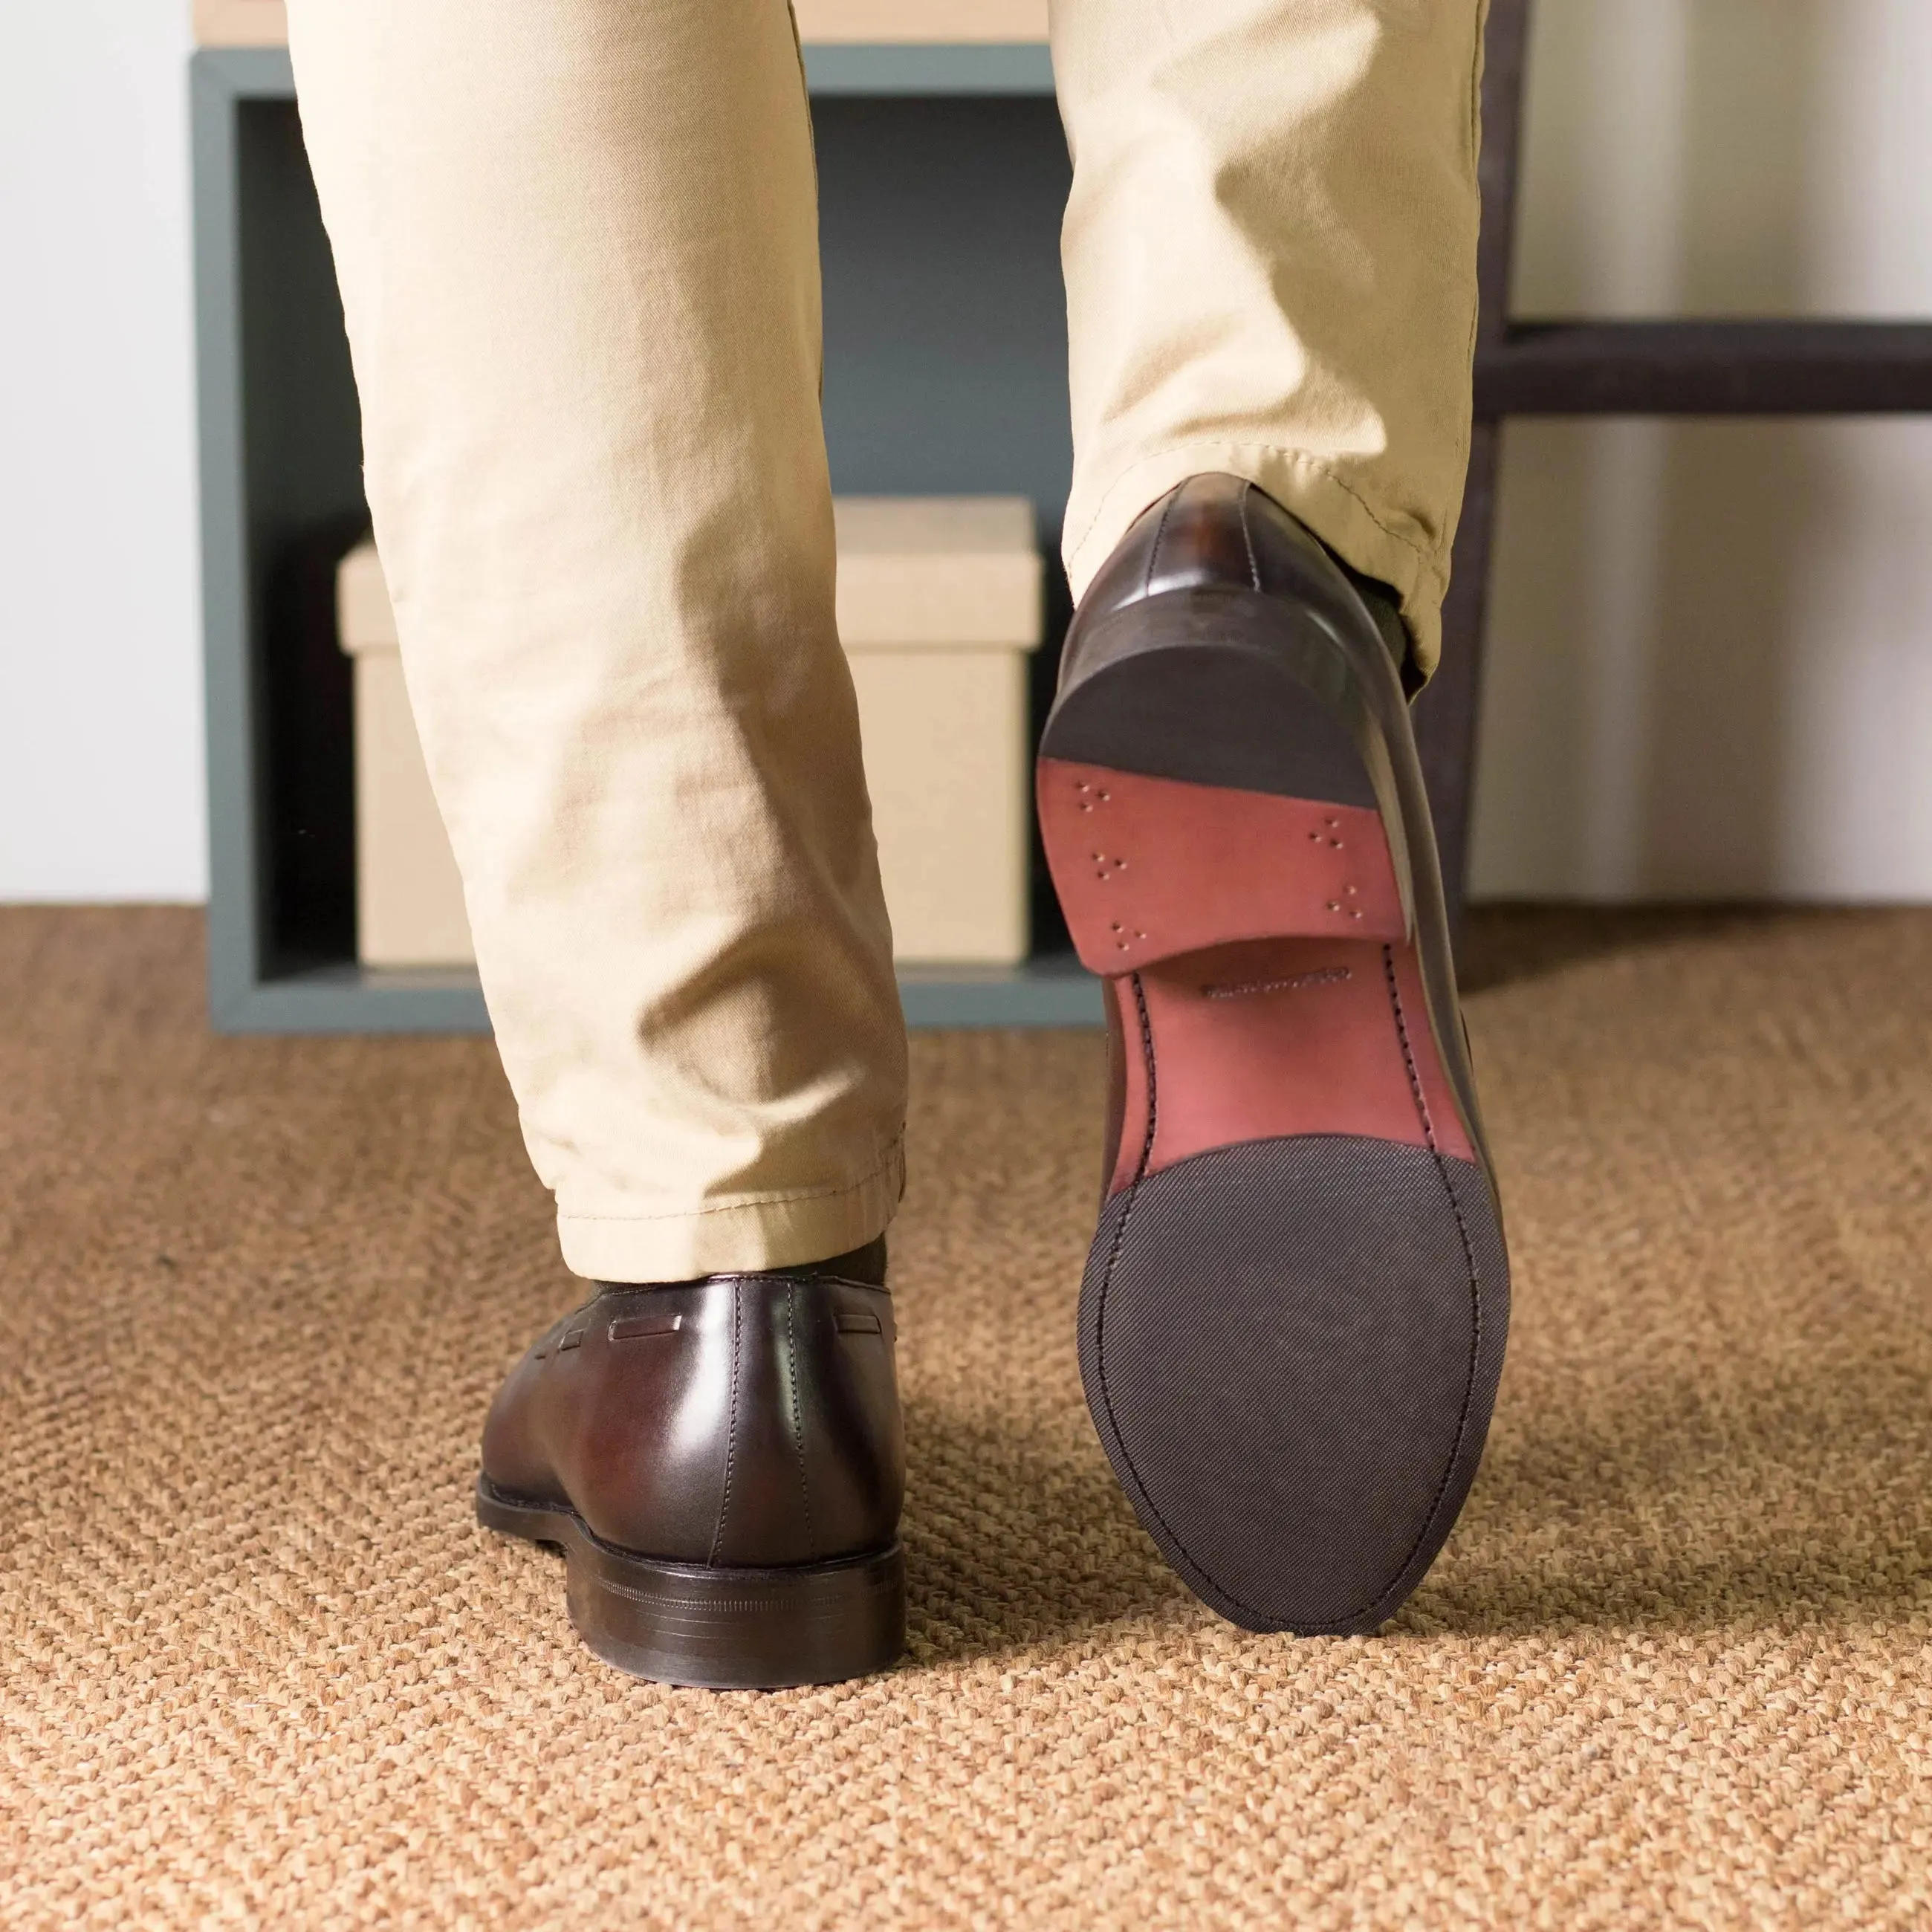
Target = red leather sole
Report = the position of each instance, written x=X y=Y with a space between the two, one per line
x=1257 y=955
x=1149 y=867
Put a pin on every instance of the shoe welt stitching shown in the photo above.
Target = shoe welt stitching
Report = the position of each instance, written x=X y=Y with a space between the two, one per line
x=1106 y=1283
x=1160 y=536
x=730 y=1430
x=797 y=1417
x=1469 y=1261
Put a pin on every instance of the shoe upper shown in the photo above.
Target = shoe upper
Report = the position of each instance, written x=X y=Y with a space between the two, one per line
x=1216 y=532
x=747 y=1421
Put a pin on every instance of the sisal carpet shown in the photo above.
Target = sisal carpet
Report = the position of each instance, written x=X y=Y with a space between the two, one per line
x=257 y=1666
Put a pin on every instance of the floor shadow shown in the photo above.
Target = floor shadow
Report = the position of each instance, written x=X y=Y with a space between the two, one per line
x=1683 y=1501
x=1017 y=1538
x=1673 y=1502
x=1505 y=945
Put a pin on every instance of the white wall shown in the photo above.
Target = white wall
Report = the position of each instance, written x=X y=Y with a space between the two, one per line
x=1711 y=655
x=101 y=739
x=1711 y=665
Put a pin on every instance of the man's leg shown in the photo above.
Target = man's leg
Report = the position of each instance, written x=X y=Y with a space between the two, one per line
x=1292 y=1318
x=1270 y=257
x=577 y=253
x=576 y=246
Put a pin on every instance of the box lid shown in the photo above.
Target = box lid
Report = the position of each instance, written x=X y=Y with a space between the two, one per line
x=364 y=620
x=264 y=23
x=937 y=571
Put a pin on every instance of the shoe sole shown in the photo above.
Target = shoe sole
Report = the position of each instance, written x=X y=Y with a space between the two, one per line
x=1292 y=1318
x=733 y=1629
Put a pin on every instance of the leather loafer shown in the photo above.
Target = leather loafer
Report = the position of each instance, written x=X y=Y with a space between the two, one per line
x=1292 y=1317
x=722 y=1463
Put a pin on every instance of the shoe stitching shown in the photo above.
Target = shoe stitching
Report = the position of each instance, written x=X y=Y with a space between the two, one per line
x=1139 y=1173
x=1107 y=1279
x=1159 y=532
x=1475 y=1296
x=1100 y=1313
x=730 y=1434
x=1248 y=537
x=797 y=1417
x=1469 y=1261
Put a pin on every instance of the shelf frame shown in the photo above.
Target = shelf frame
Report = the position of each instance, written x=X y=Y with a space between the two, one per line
x=344 y=997
x=248 y=992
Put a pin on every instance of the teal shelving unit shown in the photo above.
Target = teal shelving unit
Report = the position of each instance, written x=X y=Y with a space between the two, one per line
x=942 y=174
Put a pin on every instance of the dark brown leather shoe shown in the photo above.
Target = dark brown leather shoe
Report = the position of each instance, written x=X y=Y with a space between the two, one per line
x=1292 y=1320
x=722 y=1463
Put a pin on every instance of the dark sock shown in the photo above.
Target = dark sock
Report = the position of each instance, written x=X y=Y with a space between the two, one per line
x=1385 y=607
x=866 y=1264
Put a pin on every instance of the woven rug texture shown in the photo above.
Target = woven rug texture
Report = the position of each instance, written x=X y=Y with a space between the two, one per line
x=258 y=1666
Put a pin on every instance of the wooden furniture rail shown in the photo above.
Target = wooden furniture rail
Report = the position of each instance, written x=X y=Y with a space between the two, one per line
x=1582 y=367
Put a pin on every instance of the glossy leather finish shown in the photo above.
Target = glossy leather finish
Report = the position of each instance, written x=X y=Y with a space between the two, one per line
x=1217 y=532
x=1213 y=532
x=746 y=1420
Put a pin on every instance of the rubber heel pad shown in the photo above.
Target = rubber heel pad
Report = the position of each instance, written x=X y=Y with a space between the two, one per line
x=1149 y=868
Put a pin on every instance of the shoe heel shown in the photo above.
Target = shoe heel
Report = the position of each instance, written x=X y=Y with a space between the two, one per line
x=1152 y=869
x=740 y=1629
x=1225 y=779
x=722 y=1629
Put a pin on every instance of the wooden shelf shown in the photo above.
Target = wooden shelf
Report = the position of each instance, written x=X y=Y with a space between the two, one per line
x=953 y=22
x=264 y=23
x=241 y=23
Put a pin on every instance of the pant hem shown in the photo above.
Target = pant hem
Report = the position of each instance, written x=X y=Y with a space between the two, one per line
x=1303 y=485
x=777 y=1231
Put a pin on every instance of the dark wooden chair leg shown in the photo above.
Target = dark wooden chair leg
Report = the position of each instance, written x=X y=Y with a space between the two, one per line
x=1581 y=366
x=1446 y=713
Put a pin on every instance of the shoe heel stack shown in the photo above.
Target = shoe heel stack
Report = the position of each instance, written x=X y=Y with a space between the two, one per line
x=1292 y=1317
x=737 y=1629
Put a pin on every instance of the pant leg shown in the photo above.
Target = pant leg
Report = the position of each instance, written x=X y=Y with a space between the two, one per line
x=576 y=243
x=1270 y=259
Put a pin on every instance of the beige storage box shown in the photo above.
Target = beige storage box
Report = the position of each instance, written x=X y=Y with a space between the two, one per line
x=939 y=607
x=408 y=901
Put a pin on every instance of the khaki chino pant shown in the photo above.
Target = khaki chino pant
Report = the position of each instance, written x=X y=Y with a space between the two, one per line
x=576 y=242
